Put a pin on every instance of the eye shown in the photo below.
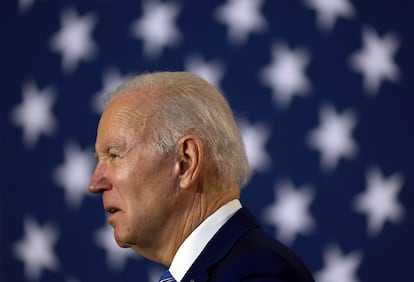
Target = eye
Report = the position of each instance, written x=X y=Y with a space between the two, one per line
x=113 y=153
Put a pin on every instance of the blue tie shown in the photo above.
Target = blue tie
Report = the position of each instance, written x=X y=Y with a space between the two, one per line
x=167 y=277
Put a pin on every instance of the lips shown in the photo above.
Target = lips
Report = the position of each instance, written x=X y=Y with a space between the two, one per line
x=111 y=209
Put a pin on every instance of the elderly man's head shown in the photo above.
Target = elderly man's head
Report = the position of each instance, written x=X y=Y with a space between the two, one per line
x=183 y=103
x=168 y=151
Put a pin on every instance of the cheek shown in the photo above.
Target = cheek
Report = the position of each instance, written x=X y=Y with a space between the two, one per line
x=126 y=175
x=144 y=185
x=126 y=186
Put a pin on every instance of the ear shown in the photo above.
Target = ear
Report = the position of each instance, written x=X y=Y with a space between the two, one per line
x=190 y=153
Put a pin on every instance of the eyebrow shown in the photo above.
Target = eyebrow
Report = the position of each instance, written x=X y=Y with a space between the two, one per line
x=114 y=145
x=119 y=145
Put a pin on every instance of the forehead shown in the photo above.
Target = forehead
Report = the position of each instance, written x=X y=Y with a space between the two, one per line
x=125 y=116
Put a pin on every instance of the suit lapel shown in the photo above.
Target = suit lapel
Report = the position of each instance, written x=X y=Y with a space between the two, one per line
x=241 y=222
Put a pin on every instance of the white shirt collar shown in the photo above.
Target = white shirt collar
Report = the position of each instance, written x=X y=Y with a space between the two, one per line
x=191 y=248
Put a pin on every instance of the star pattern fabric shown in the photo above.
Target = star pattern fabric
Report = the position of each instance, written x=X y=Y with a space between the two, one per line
x=290 y=212
x=156 y=27
x=154 y=274
x=255 y=138
x=376 y=60
x=333 y=137
x=72 y=279
x=74 y=40
x=74 y=174
x=111 y=79
x=380 y=200
x=339 y=267
x=34 y=114
x=25 y=5
x=35 y=249
x=329 y=10
x=285 y=75
x=241 y=17
x=320 y=89
x=212 y=71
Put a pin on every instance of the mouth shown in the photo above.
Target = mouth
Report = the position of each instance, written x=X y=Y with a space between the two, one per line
x=111 y=210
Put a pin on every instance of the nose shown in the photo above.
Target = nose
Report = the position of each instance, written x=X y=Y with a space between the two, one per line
x=99 y=181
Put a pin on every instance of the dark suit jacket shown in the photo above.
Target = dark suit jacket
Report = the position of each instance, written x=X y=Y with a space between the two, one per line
x=242 y=251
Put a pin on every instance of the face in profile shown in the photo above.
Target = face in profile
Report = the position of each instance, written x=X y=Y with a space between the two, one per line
x=137 y=184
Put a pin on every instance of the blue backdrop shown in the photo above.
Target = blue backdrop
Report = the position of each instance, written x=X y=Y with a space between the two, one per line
x=323 y=92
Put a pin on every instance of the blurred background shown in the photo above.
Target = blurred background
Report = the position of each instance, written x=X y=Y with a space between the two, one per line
x=323 y=93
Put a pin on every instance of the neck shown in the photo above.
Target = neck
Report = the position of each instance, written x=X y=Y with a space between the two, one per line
x=192 y=209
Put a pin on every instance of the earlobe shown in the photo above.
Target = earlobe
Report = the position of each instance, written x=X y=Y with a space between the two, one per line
x=190 y=156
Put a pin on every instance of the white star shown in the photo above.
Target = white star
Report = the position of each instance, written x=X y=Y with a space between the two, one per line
x=380 y=200
x=290 y=211
x=157 y=27
x=333 y=137
x=34 y=114
x=25 y=5
x=329 y=10
x=375 y=61
x=212 y=71
x=286 y=74
x=154 y=274
x=74 y=174
x=255 y=138
x=74 y=40
x=339 y=268
x=116 y=256
x=111 y=80
x=241 y=17
x=35 y=250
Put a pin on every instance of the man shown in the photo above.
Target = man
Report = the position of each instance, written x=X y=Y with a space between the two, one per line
x=171 y=163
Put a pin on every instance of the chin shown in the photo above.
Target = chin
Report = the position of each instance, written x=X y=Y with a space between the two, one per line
x=123 y=244
x=120 y=240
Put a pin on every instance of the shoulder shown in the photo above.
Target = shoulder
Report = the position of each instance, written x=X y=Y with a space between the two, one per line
x=242 y=251
x=255 y=255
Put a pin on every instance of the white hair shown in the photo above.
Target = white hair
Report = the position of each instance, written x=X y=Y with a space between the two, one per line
x=186 y=104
